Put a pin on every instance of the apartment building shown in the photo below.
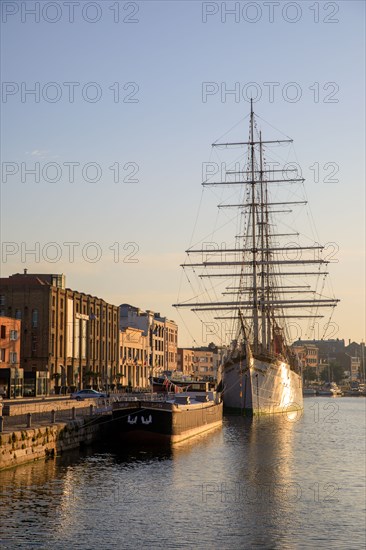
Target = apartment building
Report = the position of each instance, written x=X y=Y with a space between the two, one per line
x=70 y=336
x=161 y=333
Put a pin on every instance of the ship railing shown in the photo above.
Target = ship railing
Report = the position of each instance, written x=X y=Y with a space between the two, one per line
x=147 y=396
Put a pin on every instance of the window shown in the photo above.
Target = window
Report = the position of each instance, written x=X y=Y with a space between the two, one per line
x=13 y=335
x=2 y=355
x=13 y=357
x=2 y=300
x=34 y=318
x=2 y=312
x=34 y=345
x=3 y=332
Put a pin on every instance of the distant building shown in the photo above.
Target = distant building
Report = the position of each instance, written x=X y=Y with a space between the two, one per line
x=308 y=355
x=161 y=332
x=133 y=359
x=11 y=375
x=350 y=357
x=186 y=360
x=201 y=363
x=70 y=337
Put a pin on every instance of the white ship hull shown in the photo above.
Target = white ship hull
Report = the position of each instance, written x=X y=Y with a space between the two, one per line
x=261 y=387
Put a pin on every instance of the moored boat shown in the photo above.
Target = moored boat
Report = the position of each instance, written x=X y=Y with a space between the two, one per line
x=307 y=392
x=257 y=276
x=330 y=390
x=170 y=420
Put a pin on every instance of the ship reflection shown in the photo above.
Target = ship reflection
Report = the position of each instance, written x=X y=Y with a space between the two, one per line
x=261 y=489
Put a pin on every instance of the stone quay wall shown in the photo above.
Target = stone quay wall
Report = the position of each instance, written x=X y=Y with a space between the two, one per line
x=29 y=444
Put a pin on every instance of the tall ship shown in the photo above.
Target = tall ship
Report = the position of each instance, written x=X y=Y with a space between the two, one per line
x=265 y=282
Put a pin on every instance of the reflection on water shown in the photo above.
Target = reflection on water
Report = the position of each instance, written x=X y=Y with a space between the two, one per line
x=268 y=482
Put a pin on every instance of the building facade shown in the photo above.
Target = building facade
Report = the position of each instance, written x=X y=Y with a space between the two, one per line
x=350 y=357
x=308 y=354
x=72 y=336
x=133 y=370
x=200 y=363
x=11 y=374
x=186 y=360
x=161 y=334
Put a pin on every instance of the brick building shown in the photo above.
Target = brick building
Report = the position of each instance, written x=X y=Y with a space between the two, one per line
x=201 y=363
x=186 y=360
x=71 y=336
x=11 y=375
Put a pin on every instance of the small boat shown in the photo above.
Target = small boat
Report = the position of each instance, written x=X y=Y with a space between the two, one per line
x=330 y=390
x=356 y=390
x=172 y=419
x=308 y=392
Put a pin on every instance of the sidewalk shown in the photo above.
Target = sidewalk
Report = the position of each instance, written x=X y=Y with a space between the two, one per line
x=19 y=422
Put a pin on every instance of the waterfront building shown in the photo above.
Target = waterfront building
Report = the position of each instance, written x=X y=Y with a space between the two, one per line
x=335 y=352
x=72 y=338
x=133 y=369
x=11 y=375
x=186 y=360
x=200 y=362
x=161 y=333
x=308 y=354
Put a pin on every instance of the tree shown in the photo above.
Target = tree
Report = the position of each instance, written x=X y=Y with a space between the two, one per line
x=309 y=374
x=332 y=373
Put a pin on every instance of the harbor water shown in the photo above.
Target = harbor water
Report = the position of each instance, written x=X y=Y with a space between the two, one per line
x=279 y=482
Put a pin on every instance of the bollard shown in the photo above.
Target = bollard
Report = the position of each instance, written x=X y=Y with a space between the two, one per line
x=73 y=413
x=53 y=416
x=91 y=408
x=29 y=420
x=1 y=423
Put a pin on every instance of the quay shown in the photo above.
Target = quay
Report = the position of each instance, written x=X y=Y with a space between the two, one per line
x=33 y=429
x=40 y=429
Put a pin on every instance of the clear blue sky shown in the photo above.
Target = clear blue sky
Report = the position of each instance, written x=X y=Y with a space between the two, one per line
x=169 y=52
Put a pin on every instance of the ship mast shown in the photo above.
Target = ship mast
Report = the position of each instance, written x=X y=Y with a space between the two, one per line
x=262 y=228
x=254 y=221
x=259 y=263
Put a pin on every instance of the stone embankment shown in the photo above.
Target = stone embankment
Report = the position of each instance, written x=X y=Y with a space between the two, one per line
x=32 y=431
x=28 y=444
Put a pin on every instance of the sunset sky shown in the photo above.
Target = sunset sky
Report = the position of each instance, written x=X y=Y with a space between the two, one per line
x=102 y=163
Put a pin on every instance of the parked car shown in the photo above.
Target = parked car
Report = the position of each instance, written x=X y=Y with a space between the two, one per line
x=87 y=394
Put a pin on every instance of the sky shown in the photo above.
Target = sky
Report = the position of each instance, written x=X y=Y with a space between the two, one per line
x=102 y=162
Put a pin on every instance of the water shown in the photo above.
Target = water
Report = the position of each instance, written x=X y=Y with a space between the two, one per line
x=271 y=482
